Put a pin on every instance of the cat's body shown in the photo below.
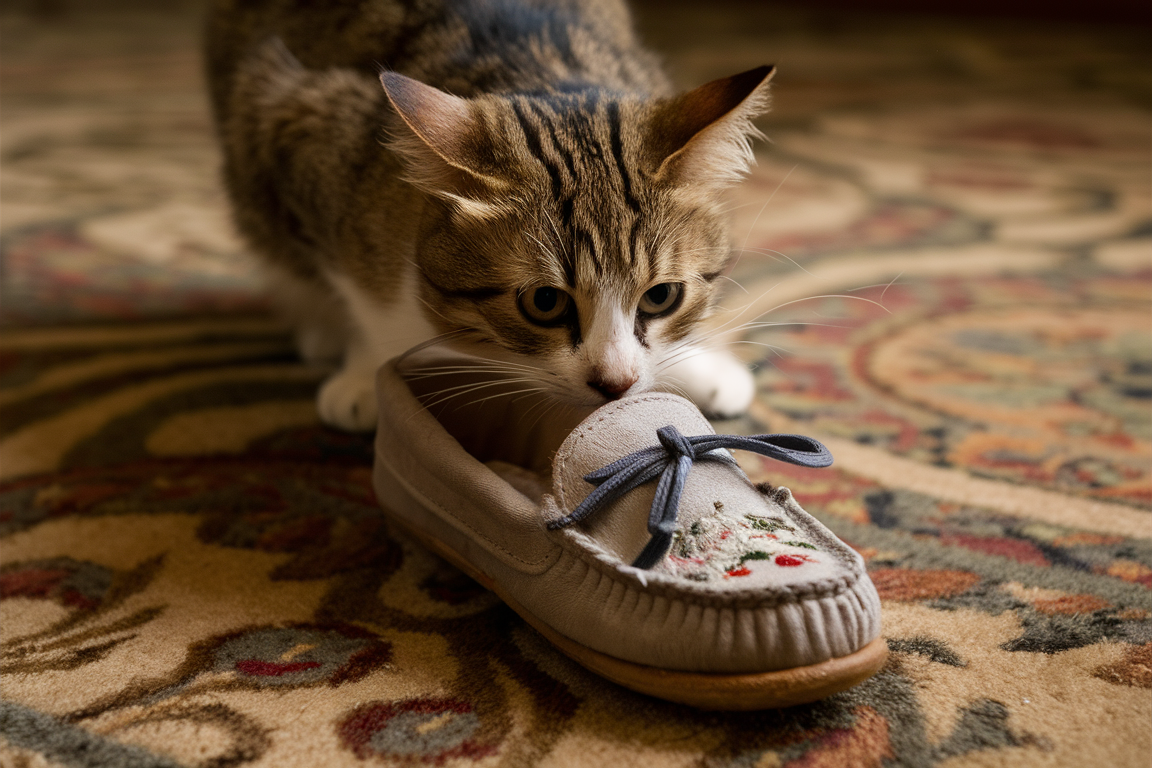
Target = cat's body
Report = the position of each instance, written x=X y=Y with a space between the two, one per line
x=557 y=215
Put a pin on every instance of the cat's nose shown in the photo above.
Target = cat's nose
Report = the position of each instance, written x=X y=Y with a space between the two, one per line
x=612 y=389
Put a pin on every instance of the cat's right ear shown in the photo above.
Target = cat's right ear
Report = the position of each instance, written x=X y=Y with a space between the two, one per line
x=702 y=138
x=445 y=146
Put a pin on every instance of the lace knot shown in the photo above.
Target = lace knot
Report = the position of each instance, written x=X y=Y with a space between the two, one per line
x=675 y=443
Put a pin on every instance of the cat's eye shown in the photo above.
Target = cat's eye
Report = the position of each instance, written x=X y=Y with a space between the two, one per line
x=660 y=298
x=545 y=305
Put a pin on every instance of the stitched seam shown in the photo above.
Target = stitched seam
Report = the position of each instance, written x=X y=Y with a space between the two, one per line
x=841 y=550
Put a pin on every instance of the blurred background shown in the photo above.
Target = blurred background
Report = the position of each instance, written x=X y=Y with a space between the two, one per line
x=111 y=205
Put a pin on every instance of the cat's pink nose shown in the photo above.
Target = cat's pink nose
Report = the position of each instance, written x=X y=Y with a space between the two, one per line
x=612 y=389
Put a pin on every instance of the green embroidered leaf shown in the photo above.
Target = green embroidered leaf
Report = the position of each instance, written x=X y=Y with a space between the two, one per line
x=754 y=555
x=804 y=544
x=768 y=524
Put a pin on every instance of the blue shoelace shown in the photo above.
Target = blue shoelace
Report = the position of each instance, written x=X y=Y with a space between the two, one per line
x=672 y=460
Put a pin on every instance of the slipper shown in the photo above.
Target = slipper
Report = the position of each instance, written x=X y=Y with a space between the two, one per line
x=631 y=540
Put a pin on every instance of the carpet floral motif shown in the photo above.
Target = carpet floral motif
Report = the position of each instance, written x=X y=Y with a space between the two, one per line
x=943 y=272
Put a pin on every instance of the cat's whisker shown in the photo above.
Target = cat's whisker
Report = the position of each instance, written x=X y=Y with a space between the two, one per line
x=686 y=354
x=724 y=328
x=740 y=311
x=732 y=208
x=694 y=346
x=493 y=365
x=512 y=364
x=542 y=403
x=469 y=389
x=890 y=284
x=508 y=362
x=772 y=252
x=548 y=408
x=734 y=282
x=501 y=374
x=758 y=325
x=478 y=385
x=670 y=382
x=664 y=365
x=886 y=285
x=827 y=296
x=774 y=347
x=753 y=325
x=499 y=394
x=704 y=342
x=433 y=309
x=440 y=370
x=760 y=213
x=764 y=251
x=442 y=338
x=430 y=373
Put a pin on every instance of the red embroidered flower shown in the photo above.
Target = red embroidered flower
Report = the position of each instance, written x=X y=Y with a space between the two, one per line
x=792 y=560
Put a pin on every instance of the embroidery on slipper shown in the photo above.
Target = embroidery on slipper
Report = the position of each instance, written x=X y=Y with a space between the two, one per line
x=717 y=546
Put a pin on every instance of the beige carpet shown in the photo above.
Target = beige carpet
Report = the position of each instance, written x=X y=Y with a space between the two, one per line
x=951 y=239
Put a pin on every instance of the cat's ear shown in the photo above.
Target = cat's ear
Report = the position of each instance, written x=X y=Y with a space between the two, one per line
x=443 y=142
x=703 y=137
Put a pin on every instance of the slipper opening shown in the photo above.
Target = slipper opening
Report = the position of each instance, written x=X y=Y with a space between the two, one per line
x=515 y=433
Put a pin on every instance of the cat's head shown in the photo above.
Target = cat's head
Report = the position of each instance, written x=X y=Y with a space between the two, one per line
x=579 y=233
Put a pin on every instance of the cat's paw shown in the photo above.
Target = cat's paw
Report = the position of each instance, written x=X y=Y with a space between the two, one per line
x=717 y=382
x=347 y=400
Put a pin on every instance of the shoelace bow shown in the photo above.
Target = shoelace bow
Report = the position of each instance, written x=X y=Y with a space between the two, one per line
x=672 y=461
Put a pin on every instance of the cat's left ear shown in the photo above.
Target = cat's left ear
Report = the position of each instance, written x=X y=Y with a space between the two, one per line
x=445 y=145
x=703 y=137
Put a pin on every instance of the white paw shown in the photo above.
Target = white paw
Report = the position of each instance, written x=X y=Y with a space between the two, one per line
x=347 y=400
x=718 y=383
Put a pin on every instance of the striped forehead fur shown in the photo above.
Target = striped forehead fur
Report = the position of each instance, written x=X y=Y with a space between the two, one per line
x=581 y=163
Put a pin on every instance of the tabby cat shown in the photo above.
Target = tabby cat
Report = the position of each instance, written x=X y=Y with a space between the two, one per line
x=514 y=179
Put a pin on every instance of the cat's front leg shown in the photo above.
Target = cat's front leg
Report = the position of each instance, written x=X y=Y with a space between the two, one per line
x=347 y=399
x=378 y=332
x=715 y=380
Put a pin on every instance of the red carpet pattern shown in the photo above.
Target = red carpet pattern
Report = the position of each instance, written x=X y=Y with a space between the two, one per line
x=945 y=274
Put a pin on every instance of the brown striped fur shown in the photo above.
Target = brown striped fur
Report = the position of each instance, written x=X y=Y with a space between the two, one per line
x=414 y=168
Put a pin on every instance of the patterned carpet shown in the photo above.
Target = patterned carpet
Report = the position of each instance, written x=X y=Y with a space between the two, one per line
x=946 y=251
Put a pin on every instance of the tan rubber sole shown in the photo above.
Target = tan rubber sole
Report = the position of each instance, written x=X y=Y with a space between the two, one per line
x=719 y=691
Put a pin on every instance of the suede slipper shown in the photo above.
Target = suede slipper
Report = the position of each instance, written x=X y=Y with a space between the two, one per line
x=631 y=540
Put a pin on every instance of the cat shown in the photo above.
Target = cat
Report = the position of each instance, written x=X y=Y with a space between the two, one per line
x=515 y=179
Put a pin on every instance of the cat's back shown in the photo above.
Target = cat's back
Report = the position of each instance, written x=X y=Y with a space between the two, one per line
x=463 y=46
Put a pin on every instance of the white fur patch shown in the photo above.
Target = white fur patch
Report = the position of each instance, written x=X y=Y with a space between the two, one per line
x=379 y=332
x=715 y=380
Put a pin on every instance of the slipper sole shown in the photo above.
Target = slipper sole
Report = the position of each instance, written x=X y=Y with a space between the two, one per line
x=704 y=690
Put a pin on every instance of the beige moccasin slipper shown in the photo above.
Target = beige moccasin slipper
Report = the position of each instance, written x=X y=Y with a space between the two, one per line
x=632 y=541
